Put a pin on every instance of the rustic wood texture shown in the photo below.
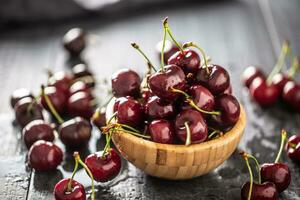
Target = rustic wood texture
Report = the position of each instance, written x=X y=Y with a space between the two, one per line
x=234 y=33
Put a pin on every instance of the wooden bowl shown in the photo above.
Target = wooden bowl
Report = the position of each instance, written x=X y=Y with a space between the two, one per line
x=179 y=161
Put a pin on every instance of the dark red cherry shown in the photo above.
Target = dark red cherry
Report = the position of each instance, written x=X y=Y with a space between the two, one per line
x=130 y=112
x=170 y=49
x=75 y=132
x=146 y=94
x=202 y=97
x=37 y=130
x=74 y=41
x=188 y=60
x=216 y=81
x=27 y=110
x=99 y=117
x=196 y=123
x=162 y=131
x=57 y=98
x=229 y=107
x=228 y=90
x=293 y=148
x=262 y=93
x=44 y=156
x=279 y=80
x=104 y=168
x=291 y=95
x=277 y=173
x=265 y=191
x=81 y=70
x=79 y=86
x=156 y=108
x=161 y=83
x=61 y=80
x=19 y=94
x=118 y=100
x=61 y=191
x=79 y=104
x=250 y=73
x=125 y=82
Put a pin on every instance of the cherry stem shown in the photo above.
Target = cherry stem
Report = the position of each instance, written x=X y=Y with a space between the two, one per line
x=111 y=118
x=257 y=166
x=134 y=45
x=162 y=53
x=245 y=156
x=69 y=187
x=129 y=127
x=294 y=68
x=107 y=145
x=51 y=107
x=78 y=159
x=192 y=103
x=134 y=133
x=191 y=44
x=283 y=139
x=168 y=30
x=188 y=134
x=212 y=134
x=285 y=49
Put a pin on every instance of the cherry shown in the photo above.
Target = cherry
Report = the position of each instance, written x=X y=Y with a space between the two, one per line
x=79 y=86
x=161 y=83
x=169 y=49
x=37 y=130
x=293 y=148
x=125 y=82
x=202 y=97
x=74 y=41
x=188 y=60
x=61 y=81
x=264 y=191
x=80 y=104
x=250 y=73
x=291 y=95
x=228 y=90
x=129 y=112
x=190 y=125
x=99 y=117
x=81 y=70
x=214 y=77
x=146 y=94
x=229 y=107
x=104 y=167
x=61 y=191
x=44 y=156
x=118 y=100
x=27 y=110
x=75 y=132
x=57 y=97
x=162 y=131
x=264 y=94
x=279 y=80
x=156 y=108
x=19 y=94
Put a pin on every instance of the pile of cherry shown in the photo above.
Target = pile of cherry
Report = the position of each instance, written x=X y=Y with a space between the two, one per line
x=266 y=91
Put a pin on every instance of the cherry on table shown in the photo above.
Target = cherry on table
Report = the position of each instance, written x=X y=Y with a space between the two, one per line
x=81 y=70
x=61 y=80
x=57 y=97
x=156 y=108
x=264 y=191
x=80 y=104
x=279 y=80
x=250 y=73
x=61 y=191
x=293 y=148
x=44 y=156
x=188 y=59
x=162 y=131
x=19 y=94
x=74 y=41
x=99 y=117
x=37 y=130
x=291 y=95
x=79 y=86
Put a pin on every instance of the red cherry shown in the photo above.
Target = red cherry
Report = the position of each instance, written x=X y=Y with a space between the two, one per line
x=79 y=104
x=146 y=94
x=265 y=191
x=37 y=130
x=202 y=97
x=99 y=117
x=155 y=108
x=61 y=80
x=162 y=131
x=57 y=98
x=61 y=191
x=79 y=86
x=250 y=73
x=293 y=148
x=44 y=156
x=81 y=70
x=170 y=49
x=188 y=60
x=280 y=80
x=74 y=41
x=104 y=168
x=19 y=94
x=291 y=95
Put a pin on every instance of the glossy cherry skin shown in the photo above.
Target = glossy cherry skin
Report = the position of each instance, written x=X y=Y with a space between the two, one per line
x=250 y=73
x=104 y=168
x=125 y=82
x=277 y=173
x=156 y=108
x=217 y=81
x=229 y=107
x=188 y=60
x=170 y=49
x=118 y=100
x=265 y=191
x=61 y=80
x=37 y=130
x=61 y=190
x=79 y=86
x=197 y=125
x=79 y=104
x=162 y=131
x=161 y=83
x=99 y=117
x=19 y=94
x=57 y=98
x=44 y=156
x=280 y=80
x=74 y=41
x=27 y=110
x=263 y=94
x=75 y=132
x=291 y=95
x=293 y=148
x=130 y=112
x=202 y=97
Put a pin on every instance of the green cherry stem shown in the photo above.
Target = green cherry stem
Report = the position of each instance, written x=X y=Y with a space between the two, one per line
x=283 y=139
x=50 y=105
x=78 y=159
x=162 y=53
x=69 y=187
x=245 y=156
x=188 y=134
x=133 y=133
x=111 y=118
x=212 y=134
x=168 y=30
x=294 y=68
x=107 y=145
x=257 y=166
x=134 y=45
x=129 y=127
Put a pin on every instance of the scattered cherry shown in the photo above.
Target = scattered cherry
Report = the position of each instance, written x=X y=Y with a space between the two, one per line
x=80 y=104
x=279 y=80
x=156 y=108
x=293 y=148
x=61 y=80
x=76 y=192
x=57 y=97
x=250 y=73
x=19 y=94
x=162 y=131
x=79 y=86
x=291 y=95
x=264 y=191
x=99 y=117
x=74 y=41
x=81 y=70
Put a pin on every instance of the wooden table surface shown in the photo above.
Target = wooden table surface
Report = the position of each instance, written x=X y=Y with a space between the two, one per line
x=234 y=33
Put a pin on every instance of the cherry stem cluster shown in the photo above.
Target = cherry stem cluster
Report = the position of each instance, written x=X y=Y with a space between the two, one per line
x=137 y=47
x=245 y=156
x=168 y=30
x=283 y=139
x=188 y=134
